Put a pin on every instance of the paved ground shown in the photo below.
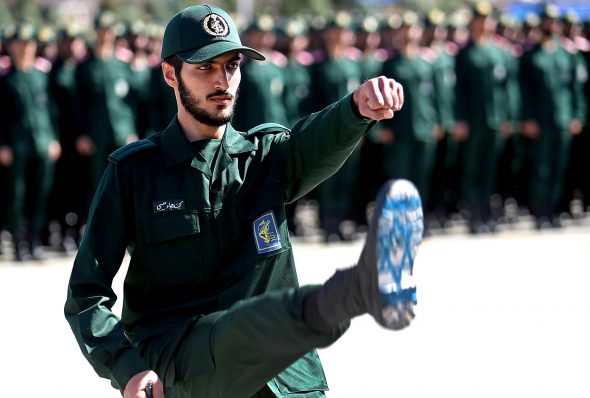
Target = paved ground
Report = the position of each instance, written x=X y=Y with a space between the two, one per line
x=499 y=316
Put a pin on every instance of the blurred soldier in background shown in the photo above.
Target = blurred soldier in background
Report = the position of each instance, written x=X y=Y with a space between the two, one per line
x=138 y=42
x=410 y=140
x=577 y=181
x=106 y=119
x=29 y=144
x=262 y=81
x=372 y=55
x=482 y=115
x=553 y=109
x=292 y=42
x=67 y=198
x=368 y=41
x=335 y=73
x=444 y=180
x=5 y=66
x=162 y=104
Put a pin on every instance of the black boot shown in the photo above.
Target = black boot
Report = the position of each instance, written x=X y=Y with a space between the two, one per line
x=382 y=283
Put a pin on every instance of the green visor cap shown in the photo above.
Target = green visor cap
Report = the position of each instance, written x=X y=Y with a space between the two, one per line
x=200 y=33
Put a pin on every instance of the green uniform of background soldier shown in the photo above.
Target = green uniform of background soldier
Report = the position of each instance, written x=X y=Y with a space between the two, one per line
x=553 y=110
x=28 y=136
x=107 y=119
x=335 y=73
x=211 y=305
x=482 y=115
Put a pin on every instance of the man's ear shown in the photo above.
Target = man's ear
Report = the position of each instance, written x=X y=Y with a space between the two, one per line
x=169 y=75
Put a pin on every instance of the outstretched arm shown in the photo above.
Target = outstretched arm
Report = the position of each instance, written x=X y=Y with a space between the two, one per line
x=320 y=143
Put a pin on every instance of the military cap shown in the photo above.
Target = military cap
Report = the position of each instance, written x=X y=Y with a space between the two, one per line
x=368 y=24
x=105 y=20
x=136 y=28
x=482 y=9
x=393 y=22
x=71 y=31
x=531 y=19
x=23 y=31
x=410 y=18
x=341 y=19
x=318 y=22
x=292 y=27
x=200 y=33
x=460 y=18
x=550 y=11
x=155 y=30
x=435 y=17
x=571 y=17
x=508 y=21
x=46 y=34
x=261 y=23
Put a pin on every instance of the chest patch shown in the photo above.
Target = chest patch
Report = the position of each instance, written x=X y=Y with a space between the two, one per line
x=266 y=234
x=168 y=205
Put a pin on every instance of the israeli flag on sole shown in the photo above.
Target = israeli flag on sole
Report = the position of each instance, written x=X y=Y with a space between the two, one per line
x=266 y=233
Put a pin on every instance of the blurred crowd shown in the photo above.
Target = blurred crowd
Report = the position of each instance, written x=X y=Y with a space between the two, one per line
x=494 y=121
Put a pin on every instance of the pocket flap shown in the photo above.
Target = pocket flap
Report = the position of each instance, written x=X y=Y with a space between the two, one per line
x=170 y=226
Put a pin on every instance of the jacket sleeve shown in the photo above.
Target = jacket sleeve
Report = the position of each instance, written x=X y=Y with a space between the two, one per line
x=319 y=145
x=90 y=298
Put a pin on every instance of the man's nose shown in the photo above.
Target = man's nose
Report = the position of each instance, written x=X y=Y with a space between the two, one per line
x=222 y=80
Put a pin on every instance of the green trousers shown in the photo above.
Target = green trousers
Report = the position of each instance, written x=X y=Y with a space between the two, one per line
x=31 y=178
x=259 y=347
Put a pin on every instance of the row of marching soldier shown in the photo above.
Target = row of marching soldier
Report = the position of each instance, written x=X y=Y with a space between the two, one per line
x=492 y=108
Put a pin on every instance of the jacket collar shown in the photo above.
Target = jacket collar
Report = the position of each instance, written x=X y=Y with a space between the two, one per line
x=177 y=148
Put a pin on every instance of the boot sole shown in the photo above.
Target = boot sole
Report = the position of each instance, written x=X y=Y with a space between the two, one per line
x=399 y=233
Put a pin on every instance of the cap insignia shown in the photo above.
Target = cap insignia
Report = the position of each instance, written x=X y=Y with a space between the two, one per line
x=215 y=25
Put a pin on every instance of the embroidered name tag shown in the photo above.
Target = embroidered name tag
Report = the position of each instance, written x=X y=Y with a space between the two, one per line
x=168 y=205
x=266 y=233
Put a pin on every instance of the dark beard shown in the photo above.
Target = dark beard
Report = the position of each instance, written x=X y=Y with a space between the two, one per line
x=191 y=105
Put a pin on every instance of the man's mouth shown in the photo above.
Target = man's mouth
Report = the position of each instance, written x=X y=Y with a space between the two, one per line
x=221 y=98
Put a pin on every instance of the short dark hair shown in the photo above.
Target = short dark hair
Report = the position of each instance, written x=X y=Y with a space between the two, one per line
x=176 y=62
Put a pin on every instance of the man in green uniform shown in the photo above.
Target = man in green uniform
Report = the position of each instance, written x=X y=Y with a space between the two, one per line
x=553 y=109
x=445 y=183
x=106 y=119
x=212 y=306
x=337 y=71
x=410 y=138
x=67 y=198
x=28 y=142
x=482 y=115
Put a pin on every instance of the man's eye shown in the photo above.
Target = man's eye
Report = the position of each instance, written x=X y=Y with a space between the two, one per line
x=233 y=65
x=204 y=67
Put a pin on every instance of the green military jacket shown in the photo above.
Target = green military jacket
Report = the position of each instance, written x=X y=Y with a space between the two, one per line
x=332 y=78
x=193 y=229
x=261 y=94
x=552 y=86
x=296 y=95
x=106 y=101
x=482 y=86
x=420 y=113
x=65 y=94
x=444 y=82
x=27 y=113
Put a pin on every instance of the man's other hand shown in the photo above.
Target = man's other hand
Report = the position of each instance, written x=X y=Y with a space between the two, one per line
x=135 y=387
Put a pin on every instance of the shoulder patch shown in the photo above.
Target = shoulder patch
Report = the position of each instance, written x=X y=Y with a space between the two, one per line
x=130 y=149
x=268 y=128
